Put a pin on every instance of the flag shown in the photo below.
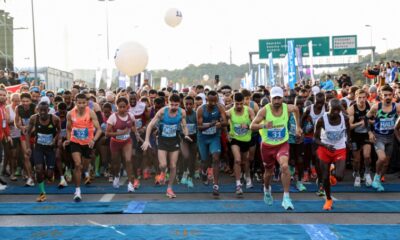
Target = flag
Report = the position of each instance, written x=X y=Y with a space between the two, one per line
x=310 y=50
x=291 y=65
x=285 y=71
x=271 y=70
x=300 y=62
x=14 y=88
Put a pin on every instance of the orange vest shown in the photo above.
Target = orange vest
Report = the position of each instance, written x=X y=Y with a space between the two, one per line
x=82 y=127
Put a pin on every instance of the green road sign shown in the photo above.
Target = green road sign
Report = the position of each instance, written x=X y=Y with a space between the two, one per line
x=278 y=47
x=344 y=45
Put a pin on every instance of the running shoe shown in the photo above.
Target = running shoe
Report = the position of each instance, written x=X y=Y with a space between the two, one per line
x=314 y=174
x=77 y=197
x=210 y=174
x=87 y=180
x=13 y=178
x=184 y=179
x=321 y=191
x=258 y=177
x=190 y=182
x=249 y=184
x=30 y=182
x=157 y=179
x=146 y=174
x=197 y=174
x=3 y=187
x=332 y=180
x=368 y=180
x=110 y=179
x=239 y=191
x=131 y=187
x=41 y=198
x=287 y=203
x=300 y=186
x=328 y=204
x=306 y=177
x=170 y=193
x=383 y=178
x=68 y=175
x=215 y=191
x=116 y=182
x=378 y=185
x=18 y=172
x=268 y=198
x=357 y=181
x=162 y=178
x=204 y=178
x=136 y=183
x=62 y=183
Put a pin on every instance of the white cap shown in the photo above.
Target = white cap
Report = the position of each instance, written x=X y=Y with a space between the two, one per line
x=276 y=92
x=45 y=99
x=315 y=90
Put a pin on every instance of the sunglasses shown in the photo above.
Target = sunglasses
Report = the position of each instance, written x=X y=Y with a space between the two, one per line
x=50 y=95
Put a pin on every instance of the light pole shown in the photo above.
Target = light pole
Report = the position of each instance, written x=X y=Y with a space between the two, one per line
x=372 y=54
x=34 y=41
x=108 y=38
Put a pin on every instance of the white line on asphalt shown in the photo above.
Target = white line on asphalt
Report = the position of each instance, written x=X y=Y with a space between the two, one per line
x=106 y=226
x=107 y=197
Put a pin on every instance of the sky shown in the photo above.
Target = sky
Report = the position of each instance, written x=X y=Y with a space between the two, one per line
x=71 y=34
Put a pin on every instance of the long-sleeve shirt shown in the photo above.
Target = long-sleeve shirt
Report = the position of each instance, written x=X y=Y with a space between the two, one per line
x=328 y=85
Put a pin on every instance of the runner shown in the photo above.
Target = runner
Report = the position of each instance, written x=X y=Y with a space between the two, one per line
x=119 y=127
x=168 y=139
x=81 y=122
x=331 y=135
x=240 y=117
x=385 y=114
x=360 y=137
x=272 y=122
x=5 y=137
x=15 y=133
x=210 y=119
x=45 y=128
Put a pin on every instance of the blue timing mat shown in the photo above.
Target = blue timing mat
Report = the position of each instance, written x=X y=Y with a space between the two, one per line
x=192 y=207
x=179 y=188
x=214 y=231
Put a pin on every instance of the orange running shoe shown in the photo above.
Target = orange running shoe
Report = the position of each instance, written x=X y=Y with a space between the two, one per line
x=306 y=177
x=162 y=178
x=332 y=180
x=313 y=173
x=328 y=204
x=157 y=179
x=41 y=198
x=383 y=178
x=170 y=193
x=136 y=183
x=146 y=174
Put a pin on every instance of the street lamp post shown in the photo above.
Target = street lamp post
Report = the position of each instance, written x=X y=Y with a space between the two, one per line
x=373 y=53
x=108 y=38
x=386 y=45
x=34 y=41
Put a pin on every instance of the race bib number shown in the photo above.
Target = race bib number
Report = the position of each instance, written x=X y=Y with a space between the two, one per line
x=335 y=135
x=309 y=128
x=239 y=131
x=63 y=133
x=25 y=121
x=210 y=131
x=81 y=133
x=387 y=124
x=138 y=123
x=276 y=134
x=103 y=127
x=123 y=137
x=45 y=139
x=169 y=130
x=191 y=128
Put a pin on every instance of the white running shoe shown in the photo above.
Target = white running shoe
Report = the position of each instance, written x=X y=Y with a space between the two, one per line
x=30 y=182
x=368 y=180
x=130 y=187
x=77 y=197
x=116 y=182
x=3 y=187
x=357 y=182
x=62 y=183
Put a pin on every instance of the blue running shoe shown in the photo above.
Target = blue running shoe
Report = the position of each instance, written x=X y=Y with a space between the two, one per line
x=287 y=203
x=268 y=198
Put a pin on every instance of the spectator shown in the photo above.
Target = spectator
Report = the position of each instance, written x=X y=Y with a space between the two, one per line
x=328 y=85
x=3 y=79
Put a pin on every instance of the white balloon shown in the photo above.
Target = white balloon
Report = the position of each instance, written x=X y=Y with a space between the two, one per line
x=131 y=58
x=206 y=77
x=173 y=17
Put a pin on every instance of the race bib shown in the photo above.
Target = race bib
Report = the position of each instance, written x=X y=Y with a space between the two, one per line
x=103 y=127
x=210 y=131
x=335 y=135
x=138 y=123
x=276 y=134
x=387 y=124
x=81 y=133
x=4 y=124
x=169 y=130
x=63 y=133
x=45 y=139
x=123 y=137
x=292 y=128
x=25 y=121
x=308 y=128
x=191 y=128
x=239 y=131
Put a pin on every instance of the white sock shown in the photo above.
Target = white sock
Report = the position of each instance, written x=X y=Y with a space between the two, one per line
x=78 y=190
x=86 y=174
x=286 y=194
x=62 y=178
x=248 y=180
x=238 y=183
x=267 y=190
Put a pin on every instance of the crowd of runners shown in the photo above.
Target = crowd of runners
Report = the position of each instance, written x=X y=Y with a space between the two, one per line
x=301 y=135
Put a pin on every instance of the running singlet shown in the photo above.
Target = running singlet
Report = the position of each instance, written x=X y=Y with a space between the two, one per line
x=334 y=135
x=82 y=127
x=360 y=115
x=278 y=134
x=385 y=122
x=210 y=117
x=26 y=114
x=119 y=126
x=63 y=124
x=14 y=131
x=191 y=123
x=45 y=133
x=169 y=125
x=236 y=130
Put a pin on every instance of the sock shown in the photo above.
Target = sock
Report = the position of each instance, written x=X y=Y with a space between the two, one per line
x=286 y=195
x=248 y=180
x=62 y=178
x=238 y=183
x=267 y=190
x=86 y=174
x=41 y=187
x=78 y=190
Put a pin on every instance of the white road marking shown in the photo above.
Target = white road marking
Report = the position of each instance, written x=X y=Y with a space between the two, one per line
x=106 y=226
x=107 y=197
